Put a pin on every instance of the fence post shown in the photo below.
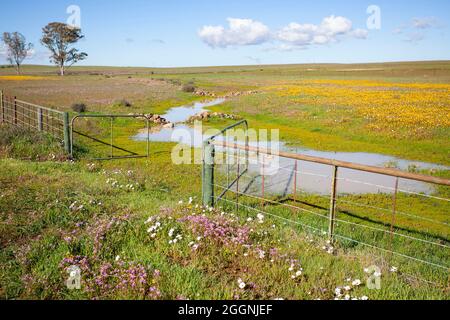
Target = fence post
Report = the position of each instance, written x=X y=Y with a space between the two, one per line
x=15 y=110
x=66 y=132
x=40 y=119
x=208 y=174
x=333 y=204
x=2 y=106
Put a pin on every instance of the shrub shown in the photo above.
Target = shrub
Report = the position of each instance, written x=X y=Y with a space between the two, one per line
x=79 y=107
x=188 y=87
x=124 y=103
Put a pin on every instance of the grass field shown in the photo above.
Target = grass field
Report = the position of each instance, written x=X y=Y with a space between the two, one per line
x=118 y=220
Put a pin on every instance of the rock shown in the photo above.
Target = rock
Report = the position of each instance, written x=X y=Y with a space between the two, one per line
x=169 y=125
x=204 y=115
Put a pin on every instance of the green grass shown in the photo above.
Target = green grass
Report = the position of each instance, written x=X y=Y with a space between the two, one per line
x=39 y=230
x=38 y=187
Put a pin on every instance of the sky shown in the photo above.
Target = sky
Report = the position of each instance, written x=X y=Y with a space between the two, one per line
x=174 y=33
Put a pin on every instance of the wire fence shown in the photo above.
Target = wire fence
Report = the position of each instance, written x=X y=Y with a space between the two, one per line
x=34 y=117
x=401 y=218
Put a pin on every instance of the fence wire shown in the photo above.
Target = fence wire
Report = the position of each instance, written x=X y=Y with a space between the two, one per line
x=403 y=221
x=30 y=116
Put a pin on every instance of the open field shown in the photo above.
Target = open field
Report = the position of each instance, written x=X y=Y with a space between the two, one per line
x=118 y=220
x=401 y=109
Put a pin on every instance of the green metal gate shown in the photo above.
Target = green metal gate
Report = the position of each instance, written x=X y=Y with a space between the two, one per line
x=111 y=144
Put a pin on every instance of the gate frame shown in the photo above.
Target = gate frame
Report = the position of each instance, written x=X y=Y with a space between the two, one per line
x=208 y=180
x=112 y=117
x=208 y=156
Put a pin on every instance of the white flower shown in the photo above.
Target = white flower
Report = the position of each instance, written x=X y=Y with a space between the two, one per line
x=180 y=202
x=393 y=269
x=347 y=288
x=153 y=235
x=241 y=283
x=117 y=258
x=298 y=273
x=249 y=220
x=195 y=247
x=364 y=298
x=338 y=292
x=357 y=282
x=347 y=297
x=191 y=200
x=148 y=220
x=366 y=270
x=377 y=274
x=171 y=231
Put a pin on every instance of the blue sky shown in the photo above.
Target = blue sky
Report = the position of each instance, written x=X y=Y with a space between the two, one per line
x=197 y=33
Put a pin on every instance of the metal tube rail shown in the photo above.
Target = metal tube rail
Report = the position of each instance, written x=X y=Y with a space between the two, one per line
x=341 y=164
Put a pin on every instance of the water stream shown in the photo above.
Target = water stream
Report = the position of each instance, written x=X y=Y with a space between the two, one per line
x=312 y=177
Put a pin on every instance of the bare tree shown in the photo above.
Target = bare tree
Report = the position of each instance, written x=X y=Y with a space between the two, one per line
x=59 y=39
x=17 y=48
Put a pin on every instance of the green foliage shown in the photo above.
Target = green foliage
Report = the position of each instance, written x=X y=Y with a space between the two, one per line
x=17 y=48
x=59 y=39
x=16 y=142
x=79 y=107
x=189 y=87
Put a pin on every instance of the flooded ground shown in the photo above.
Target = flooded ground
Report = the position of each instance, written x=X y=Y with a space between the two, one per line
x=309 y=177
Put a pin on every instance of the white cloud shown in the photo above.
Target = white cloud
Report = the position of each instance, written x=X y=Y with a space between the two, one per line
x=254 y=59
x=291 y=37
x=416 y=29
x=360 y=33
x=240 y=32
x=425 y=23
x=328 y=31
x=415 y=37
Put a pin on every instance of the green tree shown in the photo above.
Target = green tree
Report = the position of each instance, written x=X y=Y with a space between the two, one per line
x=17 y=48
x=59 y=38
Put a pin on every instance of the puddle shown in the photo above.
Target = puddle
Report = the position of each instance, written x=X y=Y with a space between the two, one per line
x=183 y=113
x=311 y=177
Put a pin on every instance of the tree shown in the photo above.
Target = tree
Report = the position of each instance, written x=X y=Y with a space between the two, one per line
x=17 y=48
x=59 y=39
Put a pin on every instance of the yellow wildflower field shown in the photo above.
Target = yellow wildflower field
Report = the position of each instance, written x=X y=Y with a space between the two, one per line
x=385 y=105
x=20 y=78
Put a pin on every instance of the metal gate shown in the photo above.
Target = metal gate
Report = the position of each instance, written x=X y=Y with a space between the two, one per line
x=384 y=222
x=112 y=148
